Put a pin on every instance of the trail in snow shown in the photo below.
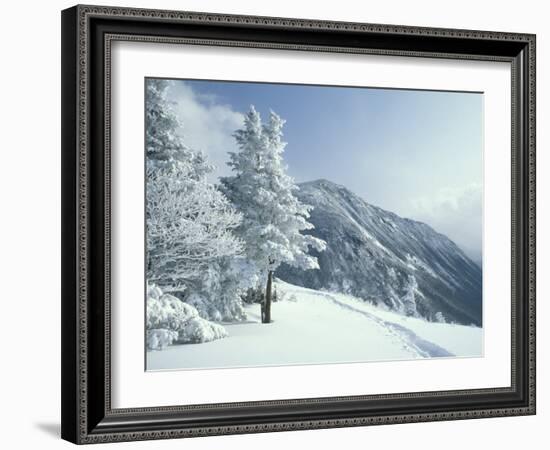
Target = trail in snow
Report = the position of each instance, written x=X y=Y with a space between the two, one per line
x=424 y=348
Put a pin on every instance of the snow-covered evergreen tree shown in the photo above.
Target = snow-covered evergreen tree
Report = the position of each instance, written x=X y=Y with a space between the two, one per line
x=163 y=141
x=409 y=299
x=189 y=222
x=273 y=218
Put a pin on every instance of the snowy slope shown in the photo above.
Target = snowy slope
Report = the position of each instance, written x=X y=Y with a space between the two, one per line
x=380 y=257
x=313 y=327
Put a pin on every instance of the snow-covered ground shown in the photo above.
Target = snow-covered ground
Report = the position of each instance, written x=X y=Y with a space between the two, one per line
x=313 y=327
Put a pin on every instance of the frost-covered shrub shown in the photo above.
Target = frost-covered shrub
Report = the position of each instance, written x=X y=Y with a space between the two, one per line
x=254 y=295
x=292 y=298
x=201 y=330
x=168 y=312
x=219 y=294
x=170 y=320
x=198 y=302
x=159 y=339
x=153 y=291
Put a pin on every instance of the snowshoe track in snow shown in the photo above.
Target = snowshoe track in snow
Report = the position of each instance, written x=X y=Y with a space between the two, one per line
x=411 y=341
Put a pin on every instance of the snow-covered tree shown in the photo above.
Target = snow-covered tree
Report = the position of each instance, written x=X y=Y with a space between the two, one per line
x=273 y=217
x=163 y=141
x=409 y=299
x=189 y=227
x=189 y=222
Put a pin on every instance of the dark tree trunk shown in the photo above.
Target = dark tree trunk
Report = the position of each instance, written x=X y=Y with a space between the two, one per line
x=266 y=304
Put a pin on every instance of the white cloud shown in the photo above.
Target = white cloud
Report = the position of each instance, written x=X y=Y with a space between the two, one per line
x=457 y=213
x=207 y=125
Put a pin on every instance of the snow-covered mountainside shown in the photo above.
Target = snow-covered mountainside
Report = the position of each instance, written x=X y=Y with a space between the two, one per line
x=382 y=258
x=315 y=327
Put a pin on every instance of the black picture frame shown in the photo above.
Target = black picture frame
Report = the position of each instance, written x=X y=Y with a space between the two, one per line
x=87 y=33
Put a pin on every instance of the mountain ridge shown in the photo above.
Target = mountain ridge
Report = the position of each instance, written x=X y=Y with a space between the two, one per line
x=380 y=257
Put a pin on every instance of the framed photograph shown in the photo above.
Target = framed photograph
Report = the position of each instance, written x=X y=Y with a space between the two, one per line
x=278 y=224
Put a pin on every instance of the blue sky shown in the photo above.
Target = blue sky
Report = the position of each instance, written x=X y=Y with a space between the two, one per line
x=417 y=153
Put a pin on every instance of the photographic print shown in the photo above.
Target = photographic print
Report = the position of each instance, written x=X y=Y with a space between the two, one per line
x=293 y=224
